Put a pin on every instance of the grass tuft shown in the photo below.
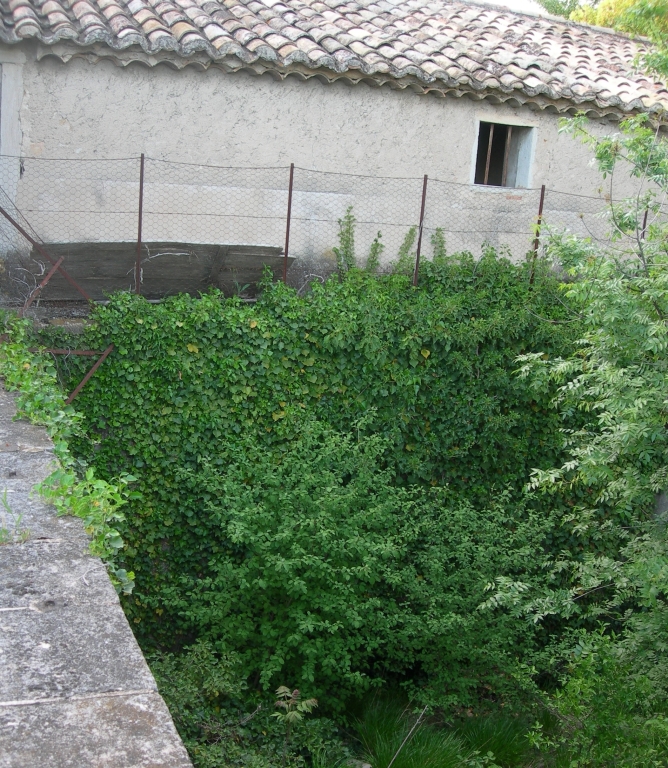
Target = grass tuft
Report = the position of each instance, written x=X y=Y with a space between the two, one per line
x=498 y=733
x=384 y=727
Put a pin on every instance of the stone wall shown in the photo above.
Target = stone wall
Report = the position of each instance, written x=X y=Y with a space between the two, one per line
x=75 y=691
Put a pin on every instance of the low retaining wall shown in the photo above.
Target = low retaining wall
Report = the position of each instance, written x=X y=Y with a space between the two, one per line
x=75 y=690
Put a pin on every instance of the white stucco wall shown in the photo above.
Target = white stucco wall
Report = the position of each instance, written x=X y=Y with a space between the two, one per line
x=102 y=110
x=84 y=110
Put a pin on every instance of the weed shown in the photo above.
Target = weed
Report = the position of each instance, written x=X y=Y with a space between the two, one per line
x=10 y=524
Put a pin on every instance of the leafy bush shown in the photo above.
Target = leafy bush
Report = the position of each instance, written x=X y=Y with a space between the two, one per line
x=224 y=724
x=328 y=574
x=607 y=711
x=435 y=363
x=309 y=541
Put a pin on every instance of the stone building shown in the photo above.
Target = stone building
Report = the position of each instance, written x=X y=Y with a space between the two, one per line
x=469 y=94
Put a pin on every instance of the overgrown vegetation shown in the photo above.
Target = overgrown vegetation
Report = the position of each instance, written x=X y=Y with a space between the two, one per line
x=74 y=488
x=613 y=705
x=325 y=481
x=357 y=494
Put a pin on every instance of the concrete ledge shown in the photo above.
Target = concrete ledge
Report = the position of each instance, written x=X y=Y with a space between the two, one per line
x=75 y=690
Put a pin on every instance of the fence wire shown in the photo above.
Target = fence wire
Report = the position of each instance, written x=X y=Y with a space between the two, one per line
x=472 y=217
x=208 y=204
x=387 y=206
x=205 y=225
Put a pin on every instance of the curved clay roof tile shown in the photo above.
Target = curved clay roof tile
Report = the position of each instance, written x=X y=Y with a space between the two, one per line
x=446 y=43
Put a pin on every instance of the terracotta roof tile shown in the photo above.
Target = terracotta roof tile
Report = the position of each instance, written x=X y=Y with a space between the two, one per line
x=446 y=44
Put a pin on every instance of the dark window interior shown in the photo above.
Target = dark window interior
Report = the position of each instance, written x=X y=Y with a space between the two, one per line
x=492 y=159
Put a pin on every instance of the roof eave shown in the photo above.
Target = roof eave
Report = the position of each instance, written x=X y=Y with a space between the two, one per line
x=233 y=58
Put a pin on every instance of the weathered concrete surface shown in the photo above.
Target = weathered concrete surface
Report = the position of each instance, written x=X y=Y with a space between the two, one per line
x=75 y=691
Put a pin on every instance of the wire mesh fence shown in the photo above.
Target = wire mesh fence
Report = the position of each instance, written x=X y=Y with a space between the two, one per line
x=161 y=227
x=207 y=204
x=471 y=217
x=389 y=206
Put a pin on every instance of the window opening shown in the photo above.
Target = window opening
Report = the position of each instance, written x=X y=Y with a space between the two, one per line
x=503 y=153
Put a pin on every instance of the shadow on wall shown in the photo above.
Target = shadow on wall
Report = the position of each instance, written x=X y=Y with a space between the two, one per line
x=167 y=268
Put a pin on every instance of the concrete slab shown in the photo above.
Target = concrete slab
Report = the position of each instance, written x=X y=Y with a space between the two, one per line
x=75 y=690
x=130 y=730
x=20 y=470
x=44 y=569
x=30 y=515
x=66 y=649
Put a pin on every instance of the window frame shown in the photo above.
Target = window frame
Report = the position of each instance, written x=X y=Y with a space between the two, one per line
x=513 y=125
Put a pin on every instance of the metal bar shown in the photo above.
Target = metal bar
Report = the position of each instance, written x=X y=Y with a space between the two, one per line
x=506 y=153
x=41 y=251
x=139 y=225
x=536 y=241
x=91 y=352
x=38 y=290
x=489 y=153
x=419 y=242
x=85 y=379
x=287 y=226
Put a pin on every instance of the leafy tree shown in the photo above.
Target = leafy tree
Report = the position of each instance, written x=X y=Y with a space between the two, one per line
x=560 y=7
x=614 y=702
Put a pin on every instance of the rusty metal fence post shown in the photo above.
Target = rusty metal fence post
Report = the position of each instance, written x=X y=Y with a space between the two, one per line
x=419 y=242
x=85 y=379
x=39 y=288
x=287 y=225
x=139 y=226
x=40 y=249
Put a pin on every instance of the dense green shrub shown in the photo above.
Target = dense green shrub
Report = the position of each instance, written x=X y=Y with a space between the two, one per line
x=435 y=363
x=224 y=724
x=327 y=573
x=334 y=573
